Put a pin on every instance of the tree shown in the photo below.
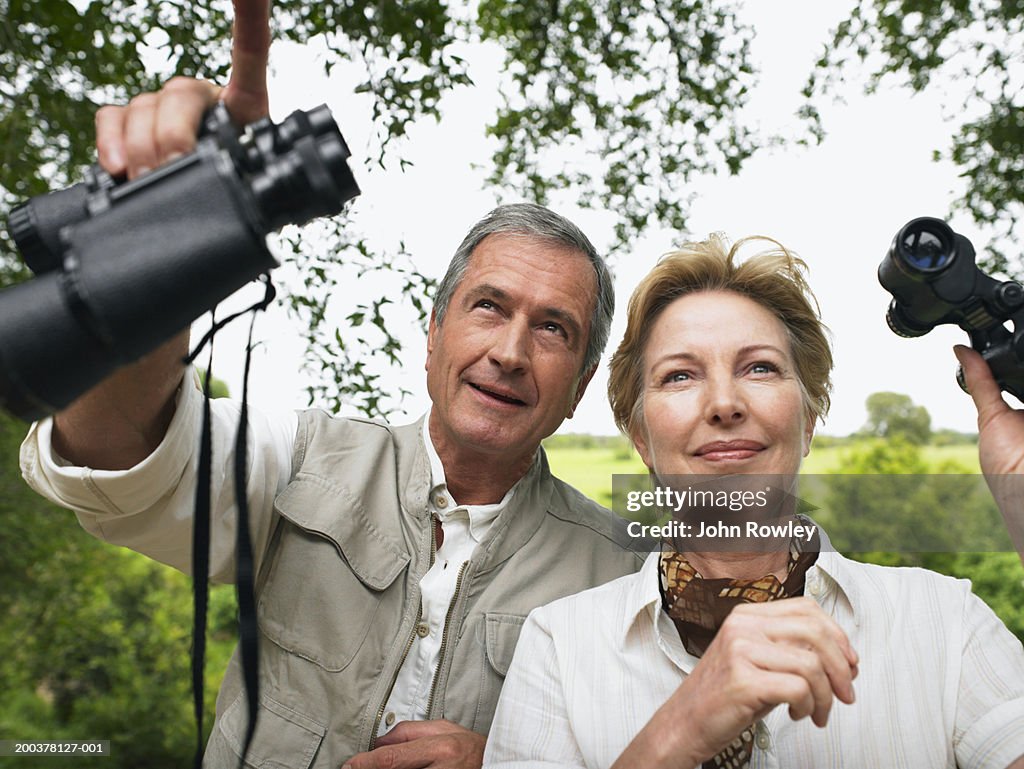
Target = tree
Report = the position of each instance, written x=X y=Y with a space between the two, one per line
x=892 y=415
x=94 y=640
x=887 y=506
x=651 y=87
x=888 y=503
x=977 y=45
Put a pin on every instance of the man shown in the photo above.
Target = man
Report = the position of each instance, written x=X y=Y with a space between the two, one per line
x=395 y=565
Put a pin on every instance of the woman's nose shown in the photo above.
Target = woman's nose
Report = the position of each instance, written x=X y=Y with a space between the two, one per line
x=724 y=403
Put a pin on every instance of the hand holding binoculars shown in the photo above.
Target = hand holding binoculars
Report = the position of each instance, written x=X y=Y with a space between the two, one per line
x=122 y=266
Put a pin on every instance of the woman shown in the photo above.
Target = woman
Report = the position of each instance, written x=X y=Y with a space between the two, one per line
x=694 y=661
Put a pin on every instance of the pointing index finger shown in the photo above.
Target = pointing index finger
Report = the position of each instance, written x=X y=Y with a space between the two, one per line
x=246 y=92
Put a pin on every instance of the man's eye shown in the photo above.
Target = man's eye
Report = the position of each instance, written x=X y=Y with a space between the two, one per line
x=553 y=328
x=486 y=304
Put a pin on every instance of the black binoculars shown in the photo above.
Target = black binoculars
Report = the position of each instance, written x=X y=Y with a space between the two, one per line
x=934 y=279
x=122 y=266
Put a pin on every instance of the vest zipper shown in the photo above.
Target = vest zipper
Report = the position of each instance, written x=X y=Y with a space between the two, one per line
x=444 y=639
x=408 y=645
x=384 y=704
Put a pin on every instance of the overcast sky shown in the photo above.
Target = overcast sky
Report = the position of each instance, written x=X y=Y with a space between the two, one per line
x=838 y=205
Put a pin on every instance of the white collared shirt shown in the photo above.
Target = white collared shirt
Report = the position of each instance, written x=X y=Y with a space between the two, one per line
x=940 y=684
x=464 y=526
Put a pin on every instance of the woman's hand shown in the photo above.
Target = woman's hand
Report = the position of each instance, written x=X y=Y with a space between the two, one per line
x=764 y=655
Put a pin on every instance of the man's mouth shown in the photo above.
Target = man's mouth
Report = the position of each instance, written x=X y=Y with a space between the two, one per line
x=503 y=397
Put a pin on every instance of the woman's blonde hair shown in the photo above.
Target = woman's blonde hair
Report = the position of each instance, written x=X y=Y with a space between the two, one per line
x=773 y=278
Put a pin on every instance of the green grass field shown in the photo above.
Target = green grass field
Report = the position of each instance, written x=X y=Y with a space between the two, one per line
x=590 y=469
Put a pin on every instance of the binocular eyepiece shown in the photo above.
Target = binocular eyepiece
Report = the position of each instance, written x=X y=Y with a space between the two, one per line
x=122 y=266
x=932 y=274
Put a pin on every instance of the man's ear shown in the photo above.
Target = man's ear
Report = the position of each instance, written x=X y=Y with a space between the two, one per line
x=581 y=388
x=431 y=337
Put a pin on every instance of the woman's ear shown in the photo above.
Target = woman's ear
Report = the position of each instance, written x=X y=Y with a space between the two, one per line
x=638 y=435
x=811 y=420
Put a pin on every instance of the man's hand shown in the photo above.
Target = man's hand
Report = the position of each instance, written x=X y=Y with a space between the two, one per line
x=764 y=655
x=417 y=744
x=120 y=421
x=157 y=127
x=1000 y=441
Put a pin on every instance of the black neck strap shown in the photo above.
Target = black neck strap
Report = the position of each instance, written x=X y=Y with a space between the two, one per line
x=245 y=573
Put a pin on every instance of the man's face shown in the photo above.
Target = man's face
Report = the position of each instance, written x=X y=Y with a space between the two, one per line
x=504 y=368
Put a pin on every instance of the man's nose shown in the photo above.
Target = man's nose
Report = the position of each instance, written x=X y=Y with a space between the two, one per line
x=724 y=402
x=510 y=349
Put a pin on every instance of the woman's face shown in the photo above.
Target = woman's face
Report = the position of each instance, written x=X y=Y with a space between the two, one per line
x=720 y=391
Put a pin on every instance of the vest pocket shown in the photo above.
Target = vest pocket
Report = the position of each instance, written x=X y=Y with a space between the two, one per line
x=312 y=605
x=283 y=739
x=327 y=575
x=502 y=635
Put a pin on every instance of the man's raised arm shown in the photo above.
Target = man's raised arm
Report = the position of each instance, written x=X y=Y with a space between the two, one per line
x=122 y=420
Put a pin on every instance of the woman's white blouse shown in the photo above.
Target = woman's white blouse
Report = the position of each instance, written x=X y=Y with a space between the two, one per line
x=940 y=683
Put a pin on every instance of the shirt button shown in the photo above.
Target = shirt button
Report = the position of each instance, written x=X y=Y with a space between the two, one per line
x=389 y=719
x=763 y=740
x=422 y=630
x=441 y=501
x=814 y=587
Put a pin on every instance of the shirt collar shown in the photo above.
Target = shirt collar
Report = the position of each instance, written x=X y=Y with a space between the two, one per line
x=831 y=572
x=836 y=576
x=644 y=595
x=443 y=504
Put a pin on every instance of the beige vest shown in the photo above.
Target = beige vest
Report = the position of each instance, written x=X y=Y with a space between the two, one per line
x=338 y=593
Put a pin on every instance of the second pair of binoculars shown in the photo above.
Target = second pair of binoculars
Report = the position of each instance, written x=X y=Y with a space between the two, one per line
x=933 y=275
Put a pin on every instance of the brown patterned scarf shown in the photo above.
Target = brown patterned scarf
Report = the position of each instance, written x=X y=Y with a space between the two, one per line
x=699 y=606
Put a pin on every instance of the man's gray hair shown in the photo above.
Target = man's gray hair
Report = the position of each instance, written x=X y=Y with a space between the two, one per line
x=539 y=222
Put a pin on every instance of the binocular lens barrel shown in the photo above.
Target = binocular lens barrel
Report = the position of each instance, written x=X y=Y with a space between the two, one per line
x=36 y=224
x=925 y=246
x=901 y=325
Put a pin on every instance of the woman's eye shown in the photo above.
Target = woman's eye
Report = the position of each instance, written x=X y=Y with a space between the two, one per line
x=763 y=368
x=676 y=376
